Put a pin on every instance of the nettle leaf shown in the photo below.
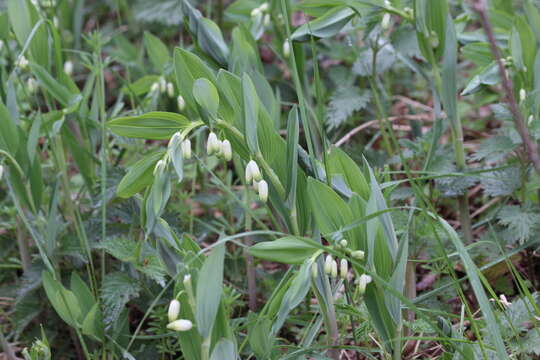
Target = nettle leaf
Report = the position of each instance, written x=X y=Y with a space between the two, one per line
x=116 y=291
x=343 y=103
x=385 y=58
x=521 y=221
x=455 y=185
x=494 y=149
x=502 y=182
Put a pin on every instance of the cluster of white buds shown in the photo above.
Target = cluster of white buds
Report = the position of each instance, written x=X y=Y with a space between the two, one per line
x=174 y=323
x=214 y=146
x=286 y=48
x=32 y=85
x=254 y=176
x=68 y=68
x=260 y=10
x=185 y=144
x=22 y=62
x=181 y=103
x=362 y=282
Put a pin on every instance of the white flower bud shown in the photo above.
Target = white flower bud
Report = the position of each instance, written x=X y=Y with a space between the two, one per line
x=358 y=254
x=31 y=84
x=180 y=325
x=255 y=172
x=1 y=44
x=530 y=120
x=266 y=20
x=343 y=243
x=22 y=62
x=249 y=175
x=328 y=265
x=175 y=139
x=174 y=310
x=314 y=270
x=255 y=12
x=56 y=22
x=263 y=191
x=187 y=280
x=155 y=87
x=264 y=7
x=170 y=90
x=286 y=48
x=226 y=150
x=522 y=95
x=334 y=269
x=362 y=283
x=68 y=68
x=181 y=103
x=212 y=144
x=186 y=149
x=162 y=85
x=1 y=172
x=385 y=23
x=343 y=268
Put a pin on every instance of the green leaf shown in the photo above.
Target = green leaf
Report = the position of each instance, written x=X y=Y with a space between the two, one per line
x=250 y=108
x=343 y=103
x=209 y=288
x=64 y=96
x=206 y=96
x=156 y=125
x=287 y=250
x=139 y=175
x=157 y=51
x=224 y=349
x=293 y=132
x=9 y=137
x=63 y=301
x=116 y=290
x=93 y=323
x=259 y=338
x=325 y=26
x=341 y=163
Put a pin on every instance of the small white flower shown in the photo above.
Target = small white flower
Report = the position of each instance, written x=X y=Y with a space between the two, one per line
x=255 y=171
x=162 y=85
x=263 y=190
x=358 y=254
x=31 y=84
x=181 y=103
x=68 y=68
x=264 y=7
x=180 y=325
x=186 y=149
x=226 y=150
x=362 y=283
x=266 y=20
x=170 y=90
x=255 y=12
x=385 y=23
x=343 y=268
x=314 y=270
x=212 y=144
x=522 y=95
x=22 y=62
x=155 y=87
x=286 y=48
x=343 y=243
x=334 y=269
x=505 y=301
x=328 y=265
x=174 y=310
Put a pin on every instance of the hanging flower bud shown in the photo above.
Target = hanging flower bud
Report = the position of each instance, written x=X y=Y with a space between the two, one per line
x=186 y=149
x=226 y=150
x=249 y=174
x=343 y=269
x=343 y=243
x=170 y=90
x=212 y=144
x=180 y=325
x=68 y=68
x=162 y=85
x=255 y=172
x=22 y=62
x=263 y=191
x=154 y=88
x=266 y=20
x=181 y=103
x=264 y=7
x=334 y=269
x=328 y=265
x=286 y=49
x=255 y=12
x=1 y=172
x=385 y=23
x=31 y=84
x=174 y=310
x=314 y=270
x=362 y=283
x=175 y=139
x=1 y=44
x=522 y=95
x=358 y=255
x=530 y=120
